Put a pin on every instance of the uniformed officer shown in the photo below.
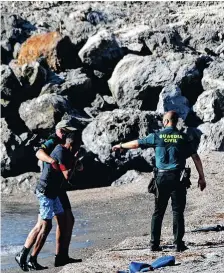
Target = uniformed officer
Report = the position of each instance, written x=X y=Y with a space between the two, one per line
x=172 y=147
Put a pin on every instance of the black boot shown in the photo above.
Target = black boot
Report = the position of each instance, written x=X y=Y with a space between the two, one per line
x=21 y=258
x=61 y=260
x=156 y=248
x=33 y=264
x=70 y=260
x=181 y=247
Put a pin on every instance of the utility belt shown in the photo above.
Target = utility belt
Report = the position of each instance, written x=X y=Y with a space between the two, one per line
x=168 y=171
x=185 y=175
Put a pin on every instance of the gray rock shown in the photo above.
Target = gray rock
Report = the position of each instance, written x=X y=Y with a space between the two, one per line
x=171 y=99
x=212 y=138
x=42 y=113
x=164 y=40
x=14 y=29
x=54 y=82
x=17 y=152
x=31 y=77
x=110 y=128
x=101 y=51
x=137 y=81
x=213 y=77
x=16 y=50
x=189 y=76
x=75 y=84
x=78 y=120
x=8 y=144
x=127 y=178
x=205 y=35
x=210 y=105
x=133 y=38
x=96 y=17
x=10 y=86
x=23 y=184
x=220 y=49
x=78 y=31
x=100 y=104
x=110 y=100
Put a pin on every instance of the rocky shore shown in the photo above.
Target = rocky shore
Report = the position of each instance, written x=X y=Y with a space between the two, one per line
x=112 y=69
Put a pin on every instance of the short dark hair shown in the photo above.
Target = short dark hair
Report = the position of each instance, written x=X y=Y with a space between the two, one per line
x=172 y=116
x=73 y=137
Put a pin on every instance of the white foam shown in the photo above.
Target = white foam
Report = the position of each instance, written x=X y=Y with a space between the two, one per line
x=6 y=250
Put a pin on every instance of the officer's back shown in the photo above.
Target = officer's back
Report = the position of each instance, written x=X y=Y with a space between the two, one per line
x=171 y=147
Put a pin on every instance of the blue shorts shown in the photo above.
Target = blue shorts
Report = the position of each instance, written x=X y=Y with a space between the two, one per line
x=49 y=207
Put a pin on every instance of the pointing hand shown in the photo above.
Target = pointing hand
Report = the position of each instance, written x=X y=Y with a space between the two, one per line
x=116 y=147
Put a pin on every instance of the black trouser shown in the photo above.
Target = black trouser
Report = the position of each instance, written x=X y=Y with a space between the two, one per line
x=169 y=185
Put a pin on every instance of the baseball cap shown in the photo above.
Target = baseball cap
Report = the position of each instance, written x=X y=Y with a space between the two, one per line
x=65 y=124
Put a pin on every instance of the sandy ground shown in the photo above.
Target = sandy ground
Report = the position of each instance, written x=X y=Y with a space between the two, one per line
x=119 y=220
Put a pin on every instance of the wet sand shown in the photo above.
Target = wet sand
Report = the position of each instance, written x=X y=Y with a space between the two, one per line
x=119 y=224
x=108 y=213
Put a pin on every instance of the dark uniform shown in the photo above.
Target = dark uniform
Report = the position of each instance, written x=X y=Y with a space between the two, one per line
x=172 y=147
x=48 y=147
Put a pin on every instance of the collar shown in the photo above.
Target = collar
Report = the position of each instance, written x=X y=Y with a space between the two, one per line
x=170 y=127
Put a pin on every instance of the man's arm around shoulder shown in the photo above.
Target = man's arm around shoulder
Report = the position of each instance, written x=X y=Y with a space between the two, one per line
x=43 y=155
x=65 y=163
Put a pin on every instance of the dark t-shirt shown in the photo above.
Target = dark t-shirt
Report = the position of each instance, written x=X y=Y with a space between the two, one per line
x=51 y=179
x=172 y=148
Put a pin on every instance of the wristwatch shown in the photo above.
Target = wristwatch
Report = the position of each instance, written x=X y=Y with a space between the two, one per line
x=121 y=146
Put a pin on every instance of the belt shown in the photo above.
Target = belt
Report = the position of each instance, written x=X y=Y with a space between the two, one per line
x=168 y=171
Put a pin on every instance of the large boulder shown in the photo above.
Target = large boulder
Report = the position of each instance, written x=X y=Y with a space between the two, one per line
x=78 y=31
x=189 y=75
x=164 y=40
x=17 y=152
x=110 y=128
x=57 y=50
x=171 y=99
x=213 y=77
x=220 y=50
x=206 y=35
x=77 y=119
x=133 y=39
x=101 y=51
x=22 y=184
x=14 y=29
x=31 y=76
x=212 y=138
x=44 y=112
x=100 y=104
x=137 y=81
x=10 y=86
x=9 y=142
x=210 y=105
x=75 y=84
